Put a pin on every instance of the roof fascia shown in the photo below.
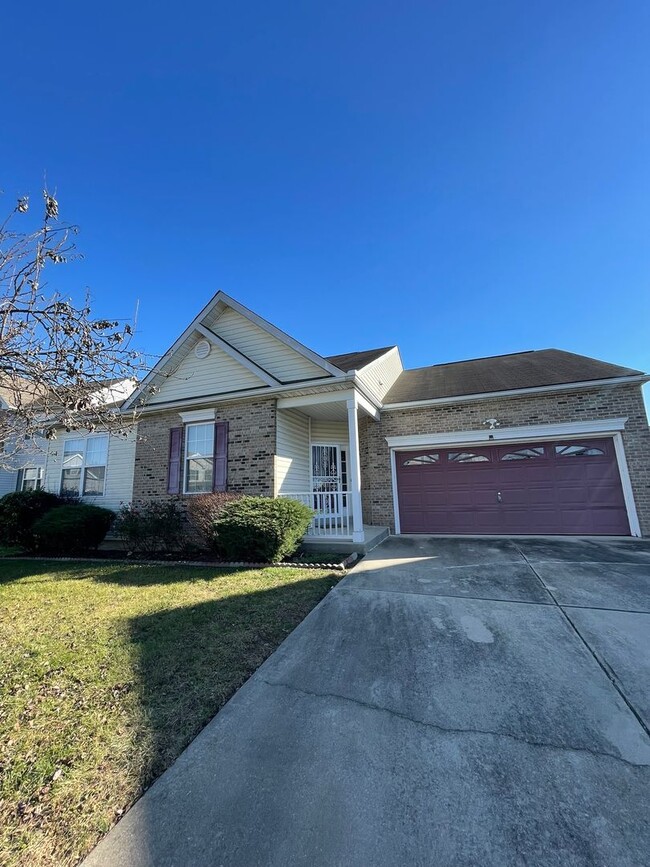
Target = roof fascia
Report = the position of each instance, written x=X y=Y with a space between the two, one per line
x=513 y=392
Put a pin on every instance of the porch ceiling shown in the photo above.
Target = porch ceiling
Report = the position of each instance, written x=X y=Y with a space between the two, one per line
x=326 y=411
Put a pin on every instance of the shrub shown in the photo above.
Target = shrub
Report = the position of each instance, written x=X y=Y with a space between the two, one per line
x=152 y=527
x=18 y=513
x=258 y=529
x=202 y=511
x=71 y=529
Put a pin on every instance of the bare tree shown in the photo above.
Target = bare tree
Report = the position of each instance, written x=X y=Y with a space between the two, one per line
x=59 y=366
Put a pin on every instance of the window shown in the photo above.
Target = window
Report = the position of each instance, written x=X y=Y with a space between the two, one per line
x=422 y=459
x=466 y=458
x=524 y=454
x=199 y=458
x=84 y=467
x=32 y=479
x=577 y=451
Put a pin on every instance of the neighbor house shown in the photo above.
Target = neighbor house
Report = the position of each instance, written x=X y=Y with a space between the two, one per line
x=540 y=442
x=22 y=462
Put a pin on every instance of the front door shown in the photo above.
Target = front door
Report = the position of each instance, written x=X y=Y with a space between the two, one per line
x=329 y=478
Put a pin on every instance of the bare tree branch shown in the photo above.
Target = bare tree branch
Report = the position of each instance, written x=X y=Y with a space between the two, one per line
x=60 y=367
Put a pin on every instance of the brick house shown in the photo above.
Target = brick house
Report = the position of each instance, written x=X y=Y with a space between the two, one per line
x=542 y=442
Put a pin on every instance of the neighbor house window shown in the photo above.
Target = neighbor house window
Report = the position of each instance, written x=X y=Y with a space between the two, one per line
x=199 y=458
x=84 y=467
x=32 y=479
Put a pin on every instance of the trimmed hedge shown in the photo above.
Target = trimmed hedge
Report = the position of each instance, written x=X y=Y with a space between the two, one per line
x=18 y=513
x=151 y=527
x=67 y=530
x=258 y=529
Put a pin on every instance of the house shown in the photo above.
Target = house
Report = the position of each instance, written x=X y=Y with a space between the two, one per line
x=22 y=463
x=540 y=442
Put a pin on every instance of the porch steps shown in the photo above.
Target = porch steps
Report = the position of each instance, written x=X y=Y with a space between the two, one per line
x=373 y=537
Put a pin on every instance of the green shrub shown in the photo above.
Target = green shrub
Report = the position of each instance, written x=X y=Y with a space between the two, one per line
x=151 y=528
x=258 y=529
x=68 y=530
x=202 y=511
x=18 y=513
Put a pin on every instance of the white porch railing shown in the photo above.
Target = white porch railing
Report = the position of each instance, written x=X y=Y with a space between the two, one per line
x=333 y=514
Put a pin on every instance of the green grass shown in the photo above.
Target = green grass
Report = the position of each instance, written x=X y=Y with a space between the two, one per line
x=107 y=672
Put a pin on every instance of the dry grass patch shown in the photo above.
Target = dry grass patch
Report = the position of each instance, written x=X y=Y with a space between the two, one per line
x=107 y=672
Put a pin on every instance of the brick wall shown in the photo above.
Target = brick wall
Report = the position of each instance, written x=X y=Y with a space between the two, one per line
x=251 y=446
x=611 y=402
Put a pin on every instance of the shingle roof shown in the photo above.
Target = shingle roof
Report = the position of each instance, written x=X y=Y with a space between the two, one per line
x=531 y=369
x=356 y=360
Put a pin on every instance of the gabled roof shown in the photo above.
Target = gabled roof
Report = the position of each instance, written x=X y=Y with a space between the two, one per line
x=356 y=360
x=203 y=325
x=533 y=369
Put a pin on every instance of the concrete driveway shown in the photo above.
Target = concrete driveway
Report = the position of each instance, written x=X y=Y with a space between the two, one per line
x=451 y=702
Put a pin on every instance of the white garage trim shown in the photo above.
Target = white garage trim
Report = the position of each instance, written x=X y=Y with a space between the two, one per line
x=564 y=430
x=628 y=495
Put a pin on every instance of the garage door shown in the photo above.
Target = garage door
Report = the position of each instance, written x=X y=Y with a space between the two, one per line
x=561 y=487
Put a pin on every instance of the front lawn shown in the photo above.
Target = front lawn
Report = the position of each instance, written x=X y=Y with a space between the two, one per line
x=108 y=671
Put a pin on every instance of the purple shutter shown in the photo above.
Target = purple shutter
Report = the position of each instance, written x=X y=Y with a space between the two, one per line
x=220 y=479
x=174 y=476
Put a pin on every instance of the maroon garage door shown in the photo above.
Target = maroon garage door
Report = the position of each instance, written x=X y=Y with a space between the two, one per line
x=561 y=487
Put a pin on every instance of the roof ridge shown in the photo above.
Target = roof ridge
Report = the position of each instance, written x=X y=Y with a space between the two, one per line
x=483 y=358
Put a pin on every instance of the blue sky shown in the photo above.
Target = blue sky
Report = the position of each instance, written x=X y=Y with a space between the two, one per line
x=461 y=178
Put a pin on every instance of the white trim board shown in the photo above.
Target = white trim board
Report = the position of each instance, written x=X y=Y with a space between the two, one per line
x=197 y=415
x=513 y=392
x=569 y=430
x=508 y=434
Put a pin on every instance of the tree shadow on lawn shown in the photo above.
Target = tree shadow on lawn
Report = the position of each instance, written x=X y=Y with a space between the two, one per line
x=125 y=574
x=190 y=661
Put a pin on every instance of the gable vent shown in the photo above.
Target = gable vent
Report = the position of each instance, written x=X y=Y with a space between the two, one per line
x=202 y=349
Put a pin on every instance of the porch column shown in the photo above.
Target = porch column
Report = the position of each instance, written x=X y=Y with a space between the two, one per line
x=354 y=470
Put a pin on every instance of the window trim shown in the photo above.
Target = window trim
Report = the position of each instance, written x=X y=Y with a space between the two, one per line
x=186 y=458
x=82 y=474
x=587 y=451
x=38 y=480
x=418 y=460
x=515 y=454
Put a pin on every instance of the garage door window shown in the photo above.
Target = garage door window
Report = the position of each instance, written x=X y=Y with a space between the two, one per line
x=466 y=458
x=524 y=454
x=422 y=459
x=577 y=451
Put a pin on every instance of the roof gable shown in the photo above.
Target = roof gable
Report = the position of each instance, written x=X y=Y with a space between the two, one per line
x=247 y=352
x=191 y=377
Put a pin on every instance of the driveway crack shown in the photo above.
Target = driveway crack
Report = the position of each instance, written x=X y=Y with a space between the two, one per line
x=609 y=674
x=450 y=729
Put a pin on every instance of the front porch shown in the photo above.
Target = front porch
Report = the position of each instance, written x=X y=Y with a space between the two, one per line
x=317 y=463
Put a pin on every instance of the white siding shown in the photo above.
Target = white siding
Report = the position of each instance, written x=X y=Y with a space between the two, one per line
x=329 y=432
x=8 y=479
x=380 y=375
x=20 y=460
x=194 y=377
x=278 y=359
x=292 y=452
x=119 y=469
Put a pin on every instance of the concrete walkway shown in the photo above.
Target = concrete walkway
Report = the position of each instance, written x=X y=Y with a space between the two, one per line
x=451 y=702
